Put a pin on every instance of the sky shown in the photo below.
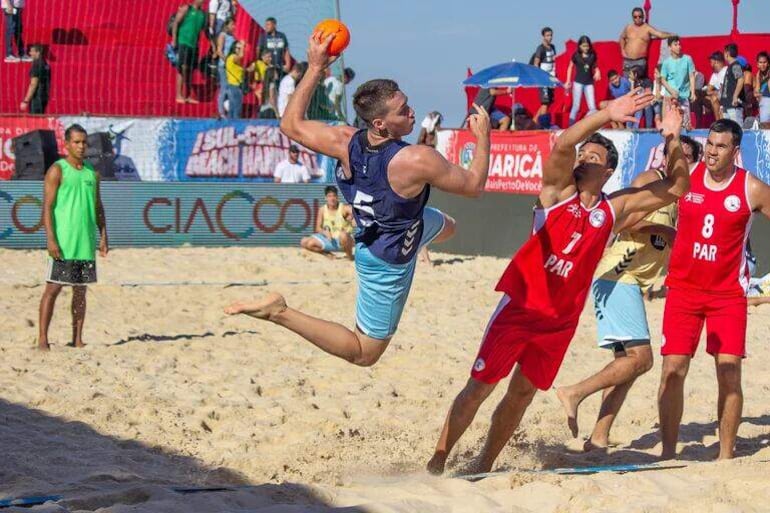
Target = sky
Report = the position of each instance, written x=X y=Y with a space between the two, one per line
x=427 y=45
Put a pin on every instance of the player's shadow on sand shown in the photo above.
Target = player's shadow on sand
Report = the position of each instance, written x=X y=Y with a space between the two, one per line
x=47 y=455
x=149 y=337
x=451 y=261
x=695 y=433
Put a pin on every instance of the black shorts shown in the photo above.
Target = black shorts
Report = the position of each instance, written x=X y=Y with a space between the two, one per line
x=37 y=106
x=187 y=57
x=546 y=95
x=71 y=272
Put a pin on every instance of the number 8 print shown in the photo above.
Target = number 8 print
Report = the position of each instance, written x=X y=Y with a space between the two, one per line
x=708 y=226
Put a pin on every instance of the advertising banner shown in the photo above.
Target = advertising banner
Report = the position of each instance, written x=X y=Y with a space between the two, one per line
x=171 y=214
x=174 y=150
x=517 y=158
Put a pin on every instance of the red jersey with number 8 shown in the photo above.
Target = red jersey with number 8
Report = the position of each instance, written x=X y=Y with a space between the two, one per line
x=551 y=273
x=708 y=253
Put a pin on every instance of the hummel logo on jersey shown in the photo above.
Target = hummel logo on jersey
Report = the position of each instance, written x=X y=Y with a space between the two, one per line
x=695 y=197
x=410 y=238
x=574 y=210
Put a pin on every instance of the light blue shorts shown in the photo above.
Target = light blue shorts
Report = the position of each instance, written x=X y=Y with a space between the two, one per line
x=383 y=287
x=330 y=245
x=620 y=315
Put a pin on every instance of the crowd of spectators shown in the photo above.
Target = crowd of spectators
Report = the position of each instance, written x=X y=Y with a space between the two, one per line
x=271 y=78
x=735 y=90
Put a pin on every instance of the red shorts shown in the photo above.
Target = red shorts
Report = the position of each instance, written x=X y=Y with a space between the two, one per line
x=683 y=319
x=513 y=335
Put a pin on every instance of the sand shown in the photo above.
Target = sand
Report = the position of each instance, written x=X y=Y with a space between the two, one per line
x=170 y=392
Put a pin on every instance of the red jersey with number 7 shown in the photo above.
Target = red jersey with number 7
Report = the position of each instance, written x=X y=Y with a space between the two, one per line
x=708 y=253
x=551 y=273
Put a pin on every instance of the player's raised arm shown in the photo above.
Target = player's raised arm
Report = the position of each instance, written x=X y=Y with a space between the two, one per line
x=628 y=203
x=424 y=165
x=318 y=136
x=558 y=169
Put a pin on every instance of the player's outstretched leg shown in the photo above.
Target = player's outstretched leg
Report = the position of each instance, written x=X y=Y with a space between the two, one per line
x=460 y=416
x=623 y=370
x=331 y=337
x=506 y=419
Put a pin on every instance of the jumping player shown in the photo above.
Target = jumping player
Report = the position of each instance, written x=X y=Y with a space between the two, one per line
x=546 y=283
x=388 y=182
x=707 y=282
x=627 y=270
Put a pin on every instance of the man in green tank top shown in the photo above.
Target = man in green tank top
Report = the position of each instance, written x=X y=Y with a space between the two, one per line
x=185 y=31
x=72 y=212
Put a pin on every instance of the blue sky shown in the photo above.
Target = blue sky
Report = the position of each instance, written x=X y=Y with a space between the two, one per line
x=427 y=45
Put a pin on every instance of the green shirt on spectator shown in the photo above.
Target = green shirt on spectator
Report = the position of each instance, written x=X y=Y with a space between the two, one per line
x=190 y=28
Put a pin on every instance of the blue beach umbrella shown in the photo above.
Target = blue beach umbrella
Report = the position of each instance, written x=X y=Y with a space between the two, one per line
x=512 y=74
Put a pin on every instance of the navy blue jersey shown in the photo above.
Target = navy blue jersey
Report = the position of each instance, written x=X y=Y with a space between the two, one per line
x=389 y=225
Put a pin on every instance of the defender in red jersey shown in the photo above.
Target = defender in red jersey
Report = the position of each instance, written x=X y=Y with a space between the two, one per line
x=546 y=283
x=708 y=279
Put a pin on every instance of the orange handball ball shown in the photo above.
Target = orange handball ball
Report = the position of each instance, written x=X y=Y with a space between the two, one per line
x=341 y=35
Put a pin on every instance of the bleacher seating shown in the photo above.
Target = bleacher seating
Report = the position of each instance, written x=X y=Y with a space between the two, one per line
x=106 y=58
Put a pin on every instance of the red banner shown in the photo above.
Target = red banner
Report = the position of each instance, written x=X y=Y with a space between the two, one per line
x=14 y=126
x=516 y=159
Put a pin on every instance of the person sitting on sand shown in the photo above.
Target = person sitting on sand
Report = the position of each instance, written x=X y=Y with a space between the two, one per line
x=333 y=226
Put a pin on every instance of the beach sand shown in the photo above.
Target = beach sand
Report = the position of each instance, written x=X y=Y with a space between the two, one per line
x=170 y=392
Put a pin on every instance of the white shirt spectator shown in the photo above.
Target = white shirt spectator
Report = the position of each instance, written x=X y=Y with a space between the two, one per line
x=285 y=90
x=222 y=9
x=717 y=79
x=334 y=89
x=286 y=172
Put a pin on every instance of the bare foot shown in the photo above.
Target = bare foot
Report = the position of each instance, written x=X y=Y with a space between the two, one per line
x=77 y=344
x=192 y=100
x=591 y=446
x=437 y=462
x=180 y=100
x=570 y=404
x=43 y=346
x=266 y=308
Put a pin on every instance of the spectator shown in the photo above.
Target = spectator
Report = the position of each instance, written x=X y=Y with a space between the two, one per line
x=718 y=68
x=618 y=86
x=335 y=89
x=237 y=80
x=762 y=88
x=36 y=98
x=637 y=79
x=320 y=108
x=429 y=128
x=657 y=93
x=635 y=41
x=266 y=91
x=333 y=227
x=288 y=84
x=190 y=21
x=278 y=44
x=219 y=12
x=12 y=10
x=545 y=58
x=584 y=62
x=522 y=118
x=678 y=80
x=225 y=41
x=291 y=170
x=486 y=98
x=731 y=95
x=749 y=104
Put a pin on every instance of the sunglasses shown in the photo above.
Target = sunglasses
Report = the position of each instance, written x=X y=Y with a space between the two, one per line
x=638 y=17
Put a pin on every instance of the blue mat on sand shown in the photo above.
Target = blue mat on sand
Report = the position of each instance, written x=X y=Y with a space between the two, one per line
x=618 y=469
x=29 y=501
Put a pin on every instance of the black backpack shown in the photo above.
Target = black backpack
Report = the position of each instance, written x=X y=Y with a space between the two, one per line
x=170 y=24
